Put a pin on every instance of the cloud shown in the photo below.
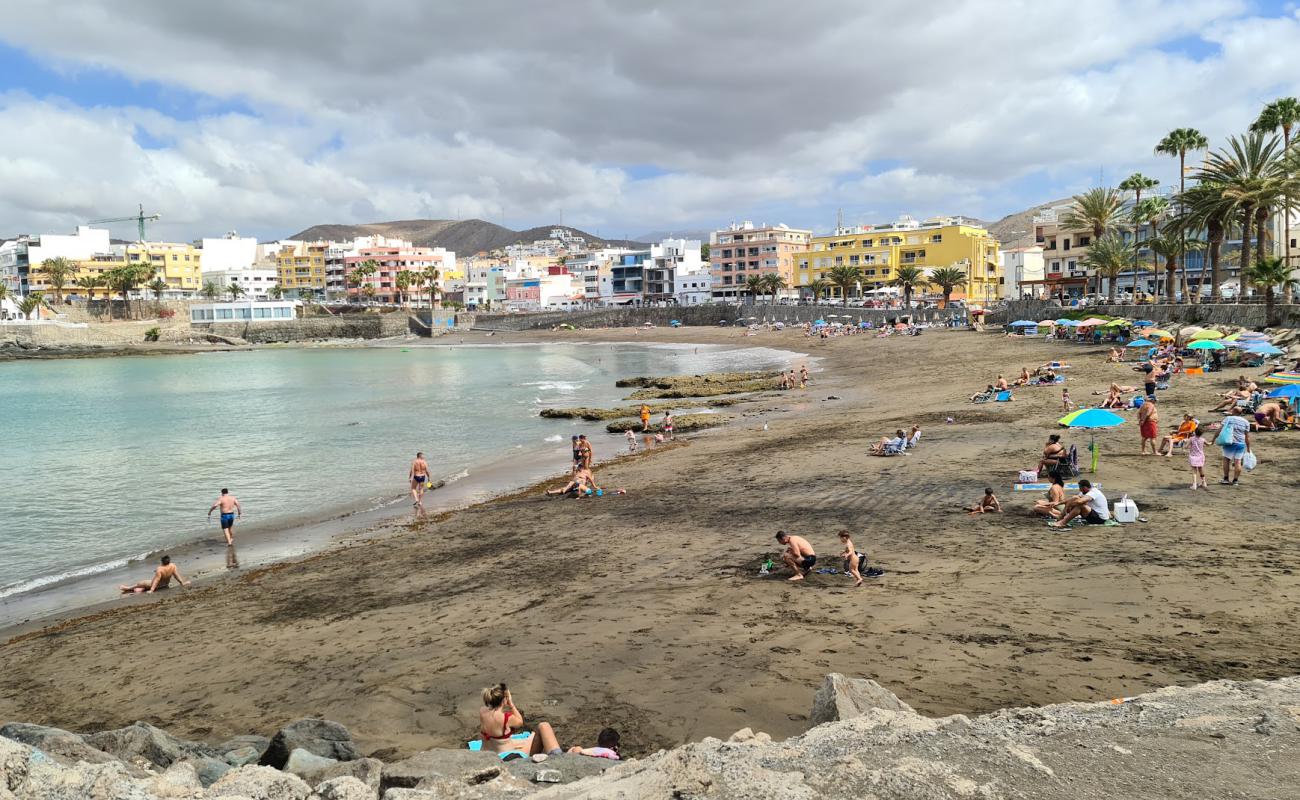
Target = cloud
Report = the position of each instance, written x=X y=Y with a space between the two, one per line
x=757 y=110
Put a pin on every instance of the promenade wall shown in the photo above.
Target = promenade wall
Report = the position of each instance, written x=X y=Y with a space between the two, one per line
x=1244 y=315
x=349 y=326
x=703 y=315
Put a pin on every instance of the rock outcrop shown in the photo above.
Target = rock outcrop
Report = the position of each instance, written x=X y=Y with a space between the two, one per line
x=319 y=737
x=1221 y=739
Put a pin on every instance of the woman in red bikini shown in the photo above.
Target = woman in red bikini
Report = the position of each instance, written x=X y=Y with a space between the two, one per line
x=499 y=724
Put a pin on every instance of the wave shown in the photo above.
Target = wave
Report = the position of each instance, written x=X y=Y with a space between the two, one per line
x=32 y=584
x=556 y=438
x=555 y=386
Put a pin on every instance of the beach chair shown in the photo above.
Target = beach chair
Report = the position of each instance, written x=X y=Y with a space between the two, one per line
x=894 y=449
x=982 y=397
x=1067 y=467
x=1003 y=396
x=1161 y=385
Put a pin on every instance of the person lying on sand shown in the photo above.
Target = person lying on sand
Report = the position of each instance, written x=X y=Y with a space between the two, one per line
x=1232 y=399
x=854 y=562
x=886 y=444
x=499 y=720
x=1052 y=504
x=162 y=577
x=798 y=556
x=607 y=742
x=984 y=395
x=988 y=504
x=582 y=483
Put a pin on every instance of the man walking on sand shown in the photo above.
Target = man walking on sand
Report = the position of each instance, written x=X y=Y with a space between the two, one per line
x=1149 y=425
x=230 y=509
x=798 y=555
x=419 y=478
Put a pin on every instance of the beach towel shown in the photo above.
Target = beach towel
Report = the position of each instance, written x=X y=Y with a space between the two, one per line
x=476 y=745
x=1042 y=487
x=1003 y=397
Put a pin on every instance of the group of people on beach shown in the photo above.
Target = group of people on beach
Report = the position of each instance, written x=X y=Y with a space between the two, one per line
x=801 y=558
x=501 y=731
x=789 y=380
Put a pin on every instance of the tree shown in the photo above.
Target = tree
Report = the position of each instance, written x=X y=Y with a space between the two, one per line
x=124 y=279
x=755 y=285
x=369 y=291
x=1268 y=275
x=907 y=279
x=30 y=304
x=58 y=273
x=276 y=292
x=704 y=252
x=774 y=283
x=307 y=293
x=1283 y=113
x=1137 y=183
x=818 y=287
x=1172 y=246
x=846 y=278
x=1179 y=142
x=404 y=280
x=1108 y=257
x=947 y=279
x=235 y=290
x=1148 y=211
x=210 y=290
x=90 y=282
x=158 y=286
x=1095 y=210
x=1204 y=206
x=1249 y=175
x=429 y=279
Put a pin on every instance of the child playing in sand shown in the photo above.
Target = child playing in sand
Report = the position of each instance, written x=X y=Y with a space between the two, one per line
x=631 y=440
x=1066 y=403
x=988 y=504
x=1196 y=458
x=853 y=560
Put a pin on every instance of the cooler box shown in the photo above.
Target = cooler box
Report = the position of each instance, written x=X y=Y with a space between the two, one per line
x=1125 y=510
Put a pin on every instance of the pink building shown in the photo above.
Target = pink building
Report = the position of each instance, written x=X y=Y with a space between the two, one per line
x=392 y=259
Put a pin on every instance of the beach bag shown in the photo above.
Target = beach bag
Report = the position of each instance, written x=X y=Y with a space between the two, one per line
x=1225 y=436
x=1249 y=461
x=1027 y=476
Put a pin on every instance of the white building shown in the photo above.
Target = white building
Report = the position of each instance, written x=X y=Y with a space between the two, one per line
x=229 y=253
x=235 y=259
x=1019 y=264
x=19 y=257
x=256 y=282
x=243 y=311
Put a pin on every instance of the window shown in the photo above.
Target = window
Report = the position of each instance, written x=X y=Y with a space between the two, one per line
x=1065 y=244
x=853 y=261
x=936 y=239
x=224 y=313
x=1084 y=241
x=726 y=254
x=839 y=260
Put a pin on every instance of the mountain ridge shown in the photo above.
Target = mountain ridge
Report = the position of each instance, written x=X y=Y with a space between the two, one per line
x=464 y=237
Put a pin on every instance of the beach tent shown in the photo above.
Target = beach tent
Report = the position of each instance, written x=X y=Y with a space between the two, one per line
x=1208 y=333
x=1116 y=323
x=1141 y=343
x=1091 y=419
x=1206 y=344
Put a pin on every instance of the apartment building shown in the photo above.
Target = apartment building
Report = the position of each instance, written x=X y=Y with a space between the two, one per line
x=744 y=250
x=392 y=257
x=300 y=267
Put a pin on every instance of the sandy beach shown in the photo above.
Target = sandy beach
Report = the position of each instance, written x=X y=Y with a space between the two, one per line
x=645 y=611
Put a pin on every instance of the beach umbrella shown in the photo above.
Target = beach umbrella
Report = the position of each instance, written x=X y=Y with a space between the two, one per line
x=1116 y=323
x=820 y=322
x=1024 y=323
x=1145 y=323
x=1234 y=337
x=1157 y=333
x=1141 y=343
x=1284 y=377
x=1069 y=323
x=1092 y=322
x=1290 y=391
x=1046 y=323
x=1252 y=336
x=1091 y=419
x=1208 y=333
x=1206 y=344
x=1263 y=349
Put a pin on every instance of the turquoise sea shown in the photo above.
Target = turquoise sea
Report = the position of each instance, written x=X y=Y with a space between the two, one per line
x=107 y=460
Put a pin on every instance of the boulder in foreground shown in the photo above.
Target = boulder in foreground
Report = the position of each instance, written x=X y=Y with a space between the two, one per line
x=841 y=698
x=317 y=736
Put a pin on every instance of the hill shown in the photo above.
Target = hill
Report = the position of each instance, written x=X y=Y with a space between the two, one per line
x=1017 y=229
x=465 y=237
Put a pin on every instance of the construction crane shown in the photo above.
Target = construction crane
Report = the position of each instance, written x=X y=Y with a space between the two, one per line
x=140 y=219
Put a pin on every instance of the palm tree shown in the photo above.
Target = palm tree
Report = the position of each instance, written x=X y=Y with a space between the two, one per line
x=846 y=278
x=276 y=292
x=1108 y=257
x=774 y=283
x=1095 y=210
x=1205 y=206
x=1137 y=183
x=1172 y=246
x=306 y=294
x=1283 y=113
x=818 y=287
x=210 y=290
x=755 y=285
x=58 y=272
x=947 y=279
x=907 y=279
x=1179 y=142
x=90 y=282
x=1269 y=274
x=404 y=280
x=235 y=290
x=158 y=286
x=1149 y=211
x=429 y=279
x=31 y=303
x=369 y=291
x=1248 y=174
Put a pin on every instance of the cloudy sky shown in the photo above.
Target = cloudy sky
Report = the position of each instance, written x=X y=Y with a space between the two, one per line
x=624 y=115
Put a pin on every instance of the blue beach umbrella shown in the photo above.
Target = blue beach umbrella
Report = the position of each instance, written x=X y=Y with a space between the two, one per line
x=1141 y=343
x=1091 y=419
x=1290 y=391
x=1024 y=323
x=1263 y=349
x=1144 y=323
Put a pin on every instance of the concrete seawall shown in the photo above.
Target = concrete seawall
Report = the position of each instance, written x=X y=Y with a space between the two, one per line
x=348 y=326
x=1245 y=315
x=706 y=315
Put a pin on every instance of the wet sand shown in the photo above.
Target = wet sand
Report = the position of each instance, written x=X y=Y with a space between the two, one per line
x=644 y=611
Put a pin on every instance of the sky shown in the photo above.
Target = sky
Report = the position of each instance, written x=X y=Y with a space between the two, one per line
x=618 y=116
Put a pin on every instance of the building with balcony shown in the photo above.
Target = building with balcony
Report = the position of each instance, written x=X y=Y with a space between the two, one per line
x=391 y=258
x=178 y=265
x=878 y=250
x=300 y=267
x=20 y=258
x=1022 y=272
x=744 y=250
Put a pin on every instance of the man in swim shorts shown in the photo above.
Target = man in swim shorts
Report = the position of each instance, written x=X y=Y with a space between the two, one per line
x=161 y=579
x=229 y=511
x=798 y=555
x=1149 y=425
x=419 y=477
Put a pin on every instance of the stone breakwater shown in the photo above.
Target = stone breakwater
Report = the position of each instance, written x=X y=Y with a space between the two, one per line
x=1220 y=739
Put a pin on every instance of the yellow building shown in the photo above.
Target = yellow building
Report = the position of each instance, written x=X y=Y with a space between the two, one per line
x=178 y=265
x=878 y=251
x=301 y=265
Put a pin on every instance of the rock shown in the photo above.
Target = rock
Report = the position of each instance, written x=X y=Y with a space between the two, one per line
x=180 y=780
x=210 y=770
x=416 y=794
x=144 y=741
x=62 y=745
x=841 y=698
x=367 y=770
x=318 y=736
x=546 y=776
x=301 y=761
x=682 y=424
x=259 y=783
x=459 y=765
x=236 y=750
x=346 y=788
x=567 y=768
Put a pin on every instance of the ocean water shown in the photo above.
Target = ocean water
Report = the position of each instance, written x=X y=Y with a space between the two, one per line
x=106 y=460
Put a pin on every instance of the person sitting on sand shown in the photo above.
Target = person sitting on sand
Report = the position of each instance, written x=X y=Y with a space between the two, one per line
x=1271 y=416
x=1116 y=355
x=162 y=577
x=1090 y=504
x=1178 y=435
x=607 y=743
x=1232 y=399
x=1053 y=452
x=798 y=556
x=1024 y=377
x=1114 y=397
x=987 y=394
x=1051 y=505
x=499 y=721
x=887 y=445
x=914 y=437
x=988 y=504
x=1000 y=384
x=854 y=562
x=581 y=483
